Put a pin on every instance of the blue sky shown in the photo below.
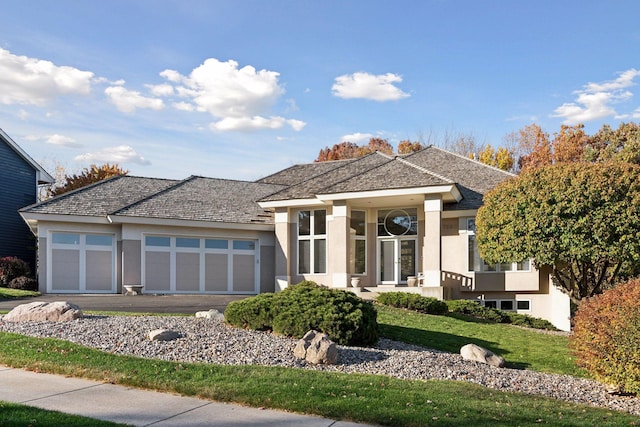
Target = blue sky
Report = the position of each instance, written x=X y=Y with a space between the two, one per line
x=240 y=89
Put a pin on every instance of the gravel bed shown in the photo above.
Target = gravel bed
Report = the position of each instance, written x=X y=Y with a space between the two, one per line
x=212 y=341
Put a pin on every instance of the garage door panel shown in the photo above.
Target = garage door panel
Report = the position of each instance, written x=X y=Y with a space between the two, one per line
x=244 y=273
x=99 y=275
x=216 y=277
x=157 y=271
x=187 y=272
x=65 y=270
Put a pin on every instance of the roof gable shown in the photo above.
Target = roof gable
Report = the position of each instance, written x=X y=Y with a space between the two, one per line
x=42 y=175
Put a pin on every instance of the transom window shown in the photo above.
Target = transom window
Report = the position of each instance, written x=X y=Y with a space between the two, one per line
x=476 y=263
x=398 y=222
x=312 y=241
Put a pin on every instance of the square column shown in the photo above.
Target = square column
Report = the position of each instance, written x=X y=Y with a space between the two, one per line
x=338 y=245
x=431 y=250
x=283 y=247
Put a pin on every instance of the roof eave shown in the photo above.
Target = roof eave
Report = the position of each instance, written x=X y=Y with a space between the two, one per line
x=42 y=176
x=171 y=222
x=291 y=202
x=450 y=193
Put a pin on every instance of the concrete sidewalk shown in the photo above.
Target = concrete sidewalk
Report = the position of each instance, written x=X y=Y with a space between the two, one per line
x=139 y=407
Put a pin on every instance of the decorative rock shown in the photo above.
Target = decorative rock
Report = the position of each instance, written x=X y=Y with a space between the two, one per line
x=211 y=314
x=478 y=354
x=316 y=347
x=163 y=335
x=39 y=311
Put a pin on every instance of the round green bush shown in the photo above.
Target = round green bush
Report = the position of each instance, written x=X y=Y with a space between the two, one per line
x=345 y=318
x=606 y=336
x=23 y=283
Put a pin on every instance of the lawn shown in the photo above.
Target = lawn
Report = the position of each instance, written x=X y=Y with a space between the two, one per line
x=14 y=415
x=8 y=293
x=522 y=348
x=363 y=398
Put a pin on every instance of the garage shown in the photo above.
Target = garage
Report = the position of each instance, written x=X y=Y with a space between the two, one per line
x=81 y=263
x=175 y=264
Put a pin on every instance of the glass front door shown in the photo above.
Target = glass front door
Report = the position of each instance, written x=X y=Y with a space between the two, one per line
x=397 y=260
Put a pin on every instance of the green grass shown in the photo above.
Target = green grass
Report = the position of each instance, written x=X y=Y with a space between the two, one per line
x=522 y=348
x=8 y=293
x=14 y=415
x=363 y=398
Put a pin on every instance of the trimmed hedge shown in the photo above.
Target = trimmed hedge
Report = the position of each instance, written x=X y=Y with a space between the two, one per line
x=345 y=318
x=11 y=268
x=474 y=309
x=606 y=336
x=427 y=305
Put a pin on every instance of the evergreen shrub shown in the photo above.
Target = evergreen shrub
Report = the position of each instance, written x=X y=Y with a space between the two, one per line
x=24 y=283
x=606 y=336
x=344 y=317
x=427 y=305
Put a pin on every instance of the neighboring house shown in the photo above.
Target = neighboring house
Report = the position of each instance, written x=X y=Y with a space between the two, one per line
x=20 y=176
x=385 y=220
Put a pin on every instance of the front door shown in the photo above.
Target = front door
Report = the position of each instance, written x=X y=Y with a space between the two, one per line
x=397 y=260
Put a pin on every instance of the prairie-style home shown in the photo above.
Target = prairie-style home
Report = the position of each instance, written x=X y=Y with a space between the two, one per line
x=390 y=222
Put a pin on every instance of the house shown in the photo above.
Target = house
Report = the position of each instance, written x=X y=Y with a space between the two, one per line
x=20 y=176
x=389 y=221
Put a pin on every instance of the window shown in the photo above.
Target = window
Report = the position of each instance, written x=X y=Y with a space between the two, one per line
x=66 y=238
x=244 y=245
x=157 y=241
x=475 y=263
x=99 y=240
x=506 y=305
x=185 y=242
x=358 y=249
x=398 y=222
x=312 y=242
x=523 y=305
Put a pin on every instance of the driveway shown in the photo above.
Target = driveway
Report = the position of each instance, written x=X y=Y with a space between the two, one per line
x=181 y=304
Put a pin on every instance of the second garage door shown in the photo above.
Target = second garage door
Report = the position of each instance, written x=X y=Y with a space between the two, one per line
x=200 y=265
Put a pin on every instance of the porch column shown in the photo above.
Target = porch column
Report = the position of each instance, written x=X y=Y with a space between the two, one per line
x=283 y=249
x=338 y=245
x=431 y=263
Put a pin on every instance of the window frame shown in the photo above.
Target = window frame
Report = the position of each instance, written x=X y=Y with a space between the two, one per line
x=514 y=267
x=354 y=239
x=314 y=240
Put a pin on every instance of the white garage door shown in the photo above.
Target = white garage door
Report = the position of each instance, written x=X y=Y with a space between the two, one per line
x=200 y=265
x=81 y=263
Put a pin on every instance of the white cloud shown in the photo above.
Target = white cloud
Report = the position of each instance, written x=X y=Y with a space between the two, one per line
x=33 y=81
x=62 y=141
x=120 y=155
x=368 y=86
x=128 y=101
x=357 y=137
x=160 y=90
x=255 y=123
x=596 y=100
x=239 y=98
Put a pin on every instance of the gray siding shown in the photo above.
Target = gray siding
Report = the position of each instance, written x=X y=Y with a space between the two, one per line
x=17 y=189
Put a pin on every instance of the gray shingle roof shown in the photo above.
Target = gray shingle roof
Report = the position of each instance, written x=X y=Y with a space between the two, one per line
x=102 y=198
x=298 y=173
x=206 y=199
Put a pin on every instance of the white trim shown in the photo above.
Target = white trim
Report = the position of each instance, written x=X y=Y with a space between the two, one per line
x=437 y=189
x=292 y=202
x=117 y=219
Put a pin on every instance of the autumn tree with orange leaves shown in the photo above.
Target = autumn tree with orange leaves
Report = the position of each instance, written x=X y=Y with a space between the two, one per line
x=88 y=176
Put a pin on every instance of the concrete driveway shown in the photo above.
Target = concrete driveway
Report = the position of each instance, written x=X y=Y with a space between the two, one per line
x=182 y=304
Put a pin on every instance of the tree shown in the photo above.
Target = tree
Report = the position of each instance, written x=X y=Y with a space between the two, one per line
x=580 y=219
x=408 y=147
x=534 y=147
x=88 y=176
x=344 y=150
x=569 y=144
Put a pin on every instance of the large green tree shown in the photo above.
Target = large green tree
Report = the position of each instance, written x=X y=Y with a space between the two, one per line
x=580 y=219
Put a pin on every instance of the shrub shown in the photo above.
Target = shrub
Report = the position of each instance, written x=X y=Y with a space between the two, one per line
x=427 y=305
x=12 y=267
x=474 y=309
x=345 y=318
x=24 y=283
x=606 y=336
x=252 y=313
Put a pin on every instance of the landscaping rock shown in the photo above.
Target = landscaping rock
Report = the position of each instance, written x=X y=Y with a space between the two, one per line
x=163 y=335
x=316 y=347
x=478 y=354
x=39 y=311
x=211 y=314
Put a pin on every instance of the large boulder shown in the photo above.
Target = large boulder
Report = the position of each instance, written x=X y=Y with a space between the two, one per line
x=316 y=347
x=163 y=335
x=39 y=311
x=211 y=314
x=478 y=354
